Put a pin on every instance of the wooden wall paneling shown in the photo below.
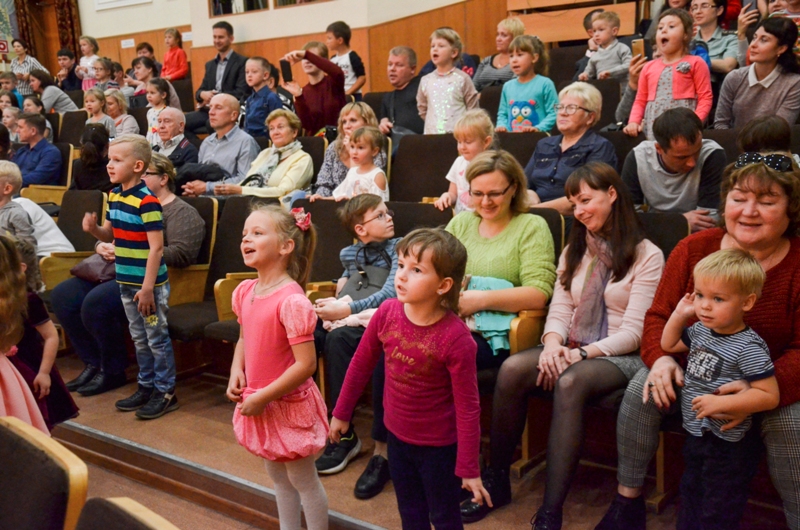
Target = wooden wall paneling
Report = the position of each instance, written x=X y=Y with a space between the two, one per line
x=111 y=47
x=557 y=26
x=481 y=25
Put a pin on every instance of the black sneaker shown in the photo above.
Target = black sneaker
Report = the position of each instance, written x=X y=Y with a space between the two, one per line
x=498 y=485
x=138 y=400
x=624 y=514
x=160 y=403
x=338 y=455
x=546 y=520
x=373 y=479
x=87 y=375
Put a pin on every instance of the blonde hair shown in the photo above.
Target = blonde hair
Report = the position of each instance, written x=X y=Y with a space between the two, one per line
x=305 y=241
x=10 y=174
x=474 y=122
x=163 y=166
x=176 y=35
x=591 y=97
x=98 y=94
x=366 y=114
x=92 y=42
x=451 y=36
x=504 y=162
x=291 y=117
x=610 y=17
x=13 y=294
x=513 y=25
x=14 y=111
x=119 y=97
x=140 y=147
x=534 y=46
x=734 y=267
x=371 y=134
x=317 y=46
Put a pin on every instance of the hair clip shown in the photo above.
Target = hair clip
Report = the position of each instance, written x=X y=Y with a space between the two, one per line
x=301 y=219
x=774 y=161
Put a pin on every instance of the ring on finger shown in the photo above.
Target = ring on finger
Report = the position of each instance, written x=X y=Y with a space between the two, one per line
x=650 y=384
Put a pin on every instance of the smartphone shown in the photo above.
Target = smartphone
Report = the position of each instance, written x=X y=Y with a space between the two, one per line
x=286 y=71
x=637 y=47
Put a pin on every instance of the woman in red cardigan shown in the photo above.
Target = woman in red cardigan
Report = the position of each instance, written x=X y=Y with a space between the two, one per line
x=761 y=213
x=175 y=64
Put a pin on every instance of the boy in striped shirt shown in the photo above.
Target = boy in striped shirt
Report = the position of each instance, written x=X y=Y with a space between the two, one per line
x=135 y=225
x=721 y=452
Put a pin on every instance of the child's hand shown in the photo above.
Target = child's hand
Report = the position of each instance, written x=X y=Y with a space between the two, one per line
x=342 y=198
x=338 y=428
x=592 y=44
x=707 y=405
x=147 y=302
x=295 y=56
x=528 y=129
x=89 y=224
x=443 y=202
x=685 y=307
x=583 y=77
x=314 y=197
x=500 y=128
x=41 y=385
x=479 y=493
x=632 y=129
x=333 y=311
x=634 y=70
x=236 y=385
x=254 y=405
x=603 y=75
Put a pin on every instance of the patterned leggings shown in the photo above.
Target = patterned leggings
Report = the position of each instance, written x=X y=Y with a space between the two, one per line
x=638 y=427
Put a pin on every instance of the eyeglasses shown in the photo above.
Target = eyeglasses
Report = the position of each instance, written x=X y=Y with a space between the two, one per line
x=380 y=217
x=702 y=6
x=776 y=162
x=152 y=173
x=492 y=195
x=569 y=110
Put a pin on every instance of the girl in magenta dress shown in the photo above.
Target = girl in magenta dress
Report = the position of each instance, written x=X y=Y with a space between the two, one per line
x=280 y=414
x=16 y=398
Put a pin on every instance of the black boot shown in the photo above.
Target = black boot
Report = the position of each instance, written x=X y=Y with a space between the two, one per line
x=546 y=520
x=498 y=485
x=624 y=514
x=87 y=375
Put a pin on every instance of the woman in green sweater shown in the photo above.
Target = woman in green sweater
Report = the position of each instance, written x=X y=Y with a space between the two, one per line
x=504 y=242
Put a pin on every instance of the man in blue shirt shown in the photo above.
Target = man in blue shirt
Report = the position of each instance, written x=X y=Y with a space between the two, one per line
x=39 y=162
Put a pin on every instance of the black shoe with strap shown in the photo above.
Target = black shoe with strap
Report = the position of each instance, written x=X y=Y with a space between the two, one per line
x=498 y=484
x=546 y=520
x=138 y=400
x=624 y=514
x=159 y=404
x=338 y=455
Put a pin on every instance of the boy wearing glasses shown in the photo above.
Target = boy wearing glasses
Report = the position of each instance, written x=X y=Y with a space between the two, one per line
x=342 y=322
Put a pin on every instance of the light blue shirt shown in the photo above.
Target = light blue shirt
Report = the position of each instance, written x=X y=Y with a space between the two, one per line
x=234 y=153
x=528 y=104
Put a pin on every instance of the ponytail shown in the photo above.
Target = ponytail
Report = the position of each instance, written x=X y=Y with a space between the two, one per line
x=305 y=240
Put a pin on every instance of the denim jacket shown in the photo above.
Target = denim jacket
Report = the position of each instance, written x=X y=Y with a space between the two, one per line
x=549 y=167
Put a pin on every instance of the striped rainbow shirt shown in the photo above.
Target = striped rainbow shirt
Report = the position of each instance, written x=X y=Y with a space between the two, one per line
x=133 y=213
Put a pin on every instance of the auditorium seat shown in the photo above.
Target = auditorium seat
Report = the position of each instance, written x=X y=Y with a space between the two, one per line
x=521 y=145
x=623 y=144
x=726 y=138
x=184 y=282
x=562 y=63
x=490 y=101
x=421 y=165
x=72 y=125
x=316 y=147
x=183 y=87
x=76 y=96
x=610 y=91
x=120 y=513
x=375 y=100
x=140 y=114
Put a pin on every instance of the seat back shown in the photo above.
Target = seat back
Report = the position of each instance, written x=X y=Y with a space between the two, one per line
x=137 y=102
x=555 y=222
x=562 y=63
x=72 y=125
x=43 y=485
x=264 y=141
x=66 y=150
x=76 y=96
x=409 y=216
x=314 y=146
x=70 y=218
x=610 y=90
x=623 y=144
x=726 y=138
x=332 y=237
x=54 y=119
x=421 y=165
x=207 y=208
x=375 y=100
x=665 y=229
x=183 y=87
x=120 y=513
x=490 y=101
x=140 y=114
x=521 y=145
x=795 y=138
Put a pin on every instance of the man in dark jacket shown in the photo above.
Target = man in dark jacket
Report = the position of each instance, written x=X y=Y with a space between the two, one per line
x=173 y=143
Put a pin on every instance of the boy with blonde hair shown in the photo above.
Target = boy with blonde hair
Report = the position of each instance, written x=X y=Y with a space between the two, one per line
x=612 y=58
x=14 y=220
x=135 y=225
x=446 y=93
x=721 y=455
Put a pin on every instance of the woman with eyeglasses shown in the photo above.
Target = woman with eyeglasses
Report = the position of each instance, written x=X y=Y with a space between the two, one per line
x=556 y=157
x=723 y=46
x=505 y=244
x=760 y=208
x=280 y=169
x=770 y=85
x=92 y=313
x=607 y=276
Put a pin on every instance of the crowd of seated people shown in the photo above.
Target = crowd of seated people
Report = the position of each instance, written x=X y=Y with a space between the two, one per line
x=613 y=303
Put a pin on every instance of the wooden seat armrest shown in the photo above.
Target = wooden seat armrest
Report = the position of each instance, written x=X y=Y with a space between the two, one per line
x=40 y=193
x=429 y=200
x=223 y=293
x=526 y=329
x=317 y=290
x=186 y=284
x=82 y=254
x=241 y=276
x=55 y=268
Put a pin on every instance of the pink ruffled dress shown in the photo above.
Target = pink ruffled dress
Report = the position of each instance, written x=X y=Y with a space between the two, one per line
x=16 y=398
x=294 y=426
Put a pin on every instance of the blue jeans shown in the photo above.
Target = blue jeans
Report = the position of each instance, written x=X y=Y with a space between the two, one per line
x=94 y=320
x=151 y=337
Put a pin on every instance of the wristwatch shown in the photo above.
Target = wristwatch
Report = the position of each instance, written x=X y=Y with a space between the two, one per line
x=584 y=354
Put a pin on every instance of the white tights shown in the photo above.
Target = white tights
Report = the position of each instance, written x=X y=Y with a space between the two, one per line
x=297 y=483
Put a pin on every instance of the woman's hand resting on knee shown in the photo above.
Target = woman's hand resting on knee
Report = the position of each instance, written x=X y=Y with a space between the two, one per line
x=659 y=382
x=553 y=360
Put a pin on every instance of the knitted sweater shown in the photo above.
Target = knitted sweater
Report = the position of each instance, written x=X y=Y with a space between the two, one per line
x=614 y=59
x=175 y=65
x=775 y=317
x=184 y=231
x=739 y=102
x=319 y=104
x=523 y=253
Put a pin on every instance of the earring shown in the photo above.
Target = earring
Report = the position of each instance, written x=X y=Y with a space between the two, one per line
x=439 y=292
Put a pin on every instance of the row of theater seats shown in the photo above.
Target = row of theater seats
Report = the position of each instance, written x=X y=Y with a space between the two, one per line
x=44 y=487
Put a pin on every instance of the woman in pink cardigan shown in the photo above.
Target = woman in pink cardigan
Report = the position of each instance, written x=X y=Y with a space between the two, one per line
x=607 y=277
x=675 y=79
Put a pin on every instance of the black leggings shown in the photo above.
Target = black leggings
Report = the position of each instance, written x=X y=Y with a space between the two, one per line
x=577 y=385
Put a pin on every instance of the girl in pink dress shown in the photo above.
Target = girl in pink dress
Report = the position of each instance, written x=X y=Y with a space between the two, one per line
x=280 y=414
x=15 y=396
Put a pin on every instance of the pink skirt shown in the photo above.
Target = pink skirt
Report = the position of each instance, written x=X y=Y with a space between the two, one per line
x=88 y=83
x=16 y=398
x=292 y=427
